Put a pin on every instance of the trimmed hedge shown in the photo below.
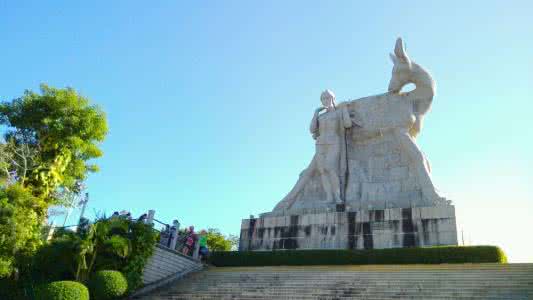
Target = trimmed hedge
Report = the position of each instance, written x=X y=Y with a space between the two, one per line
x=429 y=255
x=62 y=290
x=105 y=285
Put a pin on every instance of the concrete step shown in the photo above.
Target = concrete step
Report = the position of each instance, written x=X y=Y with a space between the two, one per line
x=469 y=281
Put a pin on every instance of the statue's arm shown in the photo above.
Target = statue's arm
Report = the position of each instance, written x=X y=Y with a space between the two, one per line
x=313 y=128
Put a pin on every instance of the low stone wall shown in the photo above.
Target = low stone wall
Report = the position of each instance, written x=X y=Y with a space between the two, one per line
x=366 y=229
x=166 y=263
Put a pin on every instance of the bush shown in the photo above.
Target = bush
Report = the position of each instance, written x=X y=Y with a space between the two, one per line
x=10 y=289
x=62 y=290
x=118 y=244
x=20 y=223
x=106 y=285
x=143 y=239
x=55 y=261
x=430 y=255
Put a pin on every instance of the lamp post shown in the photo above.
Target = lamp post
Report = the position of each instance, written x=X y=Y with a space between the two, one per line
x=83 y=202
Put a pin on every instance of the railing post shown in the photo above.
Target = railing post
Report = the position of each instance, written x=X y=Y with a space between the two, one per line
x=196 y=252
x=175 y=234
x=176 y=224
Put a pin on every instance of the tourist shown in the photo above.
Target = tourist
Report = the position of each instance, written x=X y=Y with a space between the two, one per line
x=189 y=241
x=202 y=241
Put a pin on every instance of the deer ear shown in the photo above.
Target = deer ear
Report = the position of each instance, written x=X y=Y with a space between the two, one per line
x=393 y=58
x=399 y=50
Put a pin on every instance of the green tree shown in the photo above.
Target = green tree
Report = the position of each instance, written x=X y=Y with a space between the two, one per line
x=216 y=241
x=20 y=221
x=61 y=131
x=51 y=137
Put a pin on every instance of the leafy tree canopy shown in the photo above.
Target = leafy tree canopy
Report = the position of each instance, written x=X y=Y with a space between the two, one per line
x=50 y=140
x=216 y=241
x=56 y=133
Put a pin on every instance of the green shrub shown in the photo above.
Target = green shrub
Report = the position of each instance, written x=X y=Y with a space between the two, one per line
x=143 y=239
x=20 y=225
x=106 y=285
x=55 y=261
x=429 y=255
x=10 y=289
x=118 y=244
x=62 y=290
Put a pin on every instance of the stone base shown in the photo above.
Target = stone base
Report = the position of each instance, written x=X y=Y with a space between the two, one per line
x=366 y=229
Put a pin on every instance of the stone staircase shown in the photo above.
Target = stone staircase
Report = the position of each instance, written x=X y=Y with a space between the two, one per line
x=461 y=281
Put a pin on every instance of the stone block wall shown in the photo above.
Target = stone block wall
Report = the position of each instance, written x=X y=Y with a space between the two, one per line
x=365 y=229
x=166 y=263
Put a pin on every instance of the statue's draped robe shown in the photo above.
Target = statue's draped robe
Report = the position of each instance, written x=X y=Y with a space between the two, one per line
x=310 y=177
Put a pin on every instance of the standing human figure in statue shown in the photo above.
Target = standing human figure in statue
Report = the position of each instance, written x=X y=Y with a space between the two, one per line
x=329 y=162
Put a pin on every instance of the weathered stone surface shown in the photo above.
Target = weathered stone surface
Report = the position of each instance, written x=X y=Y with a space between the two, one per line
x=365 y=229
x=368 y=184
x=366 y=153
x=370 y=282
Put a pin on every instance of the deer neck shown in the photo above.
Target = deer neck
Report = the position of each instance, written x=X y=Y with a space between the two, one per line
x=425 y=85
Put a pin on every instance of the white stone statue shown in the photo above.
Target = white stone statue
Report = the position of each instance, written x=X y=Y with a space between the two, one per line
x=366 y=155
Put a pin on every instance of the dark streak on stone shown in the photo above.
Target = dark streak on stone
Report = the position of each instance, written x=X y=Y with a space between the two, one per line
x=379 y=215
x=368 y=241
x=366 y=228
x=289 y=244
x=289 y=241
x=352 y=243
x=251 y=229
x=277 y=230
x=425 y=230
x=407 y=213
x=324 y=230
x=241 y=241
x=307 y=230
x=408 y=228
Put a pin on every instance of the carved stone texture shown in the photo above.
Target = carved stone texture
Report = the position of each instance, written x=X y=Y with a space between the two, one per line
x=363 y=229
x=366 y=153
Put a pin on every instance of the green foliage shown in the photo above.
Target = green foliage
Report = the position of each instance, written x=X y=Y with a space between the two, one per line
x=62 y=290
x=114 y=243
x=11 y=289
x=56 y=260
x=63 y=131
x=430 y=255
x=216 y=241
x=49 y=140
x=143 y=239
x=21 y=216
x=106 y=285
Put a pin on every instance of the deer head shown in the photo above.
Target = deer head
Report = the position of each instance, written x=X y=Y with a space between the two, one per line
x=402 y=70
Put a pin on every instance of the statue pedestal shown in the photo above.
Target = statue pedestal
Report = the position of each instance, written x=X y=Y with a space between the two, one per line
x=364 y=229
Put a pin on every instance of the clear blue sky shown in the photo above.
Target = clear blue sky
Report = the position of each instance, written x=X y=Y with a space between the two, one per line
x=208 y=102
